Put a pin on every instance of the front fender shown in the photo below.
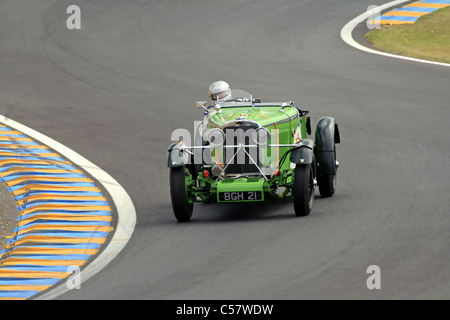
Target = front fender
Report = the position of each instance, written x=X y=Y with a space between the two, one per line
x=176 y=157
x=303 y=154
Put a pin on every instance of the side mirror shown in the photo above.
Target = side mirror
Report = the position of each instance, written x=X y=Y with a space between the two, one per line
x=202 y=104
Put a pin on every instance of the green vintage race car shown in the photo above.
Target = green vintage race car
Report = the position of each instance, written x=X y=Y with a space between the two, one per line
x=246 y=150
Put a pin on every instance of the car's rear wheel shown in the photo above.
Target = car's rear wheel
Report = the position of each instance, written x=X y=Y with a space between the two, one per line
x=303 y=191
x=327 y=183
x=182 y=203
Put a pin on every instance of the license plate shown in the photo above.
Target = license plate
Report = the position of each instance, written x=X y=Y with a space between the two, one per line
x=240 y=196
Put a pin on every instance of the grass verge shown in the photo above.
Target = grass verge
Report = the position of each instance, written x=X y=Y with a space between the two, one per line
x=428 y=38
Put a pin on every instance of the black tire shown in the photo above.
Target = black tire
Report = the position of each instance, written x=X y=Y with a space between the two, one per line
x=303 y=191
x=182 y=209
x=327 y=185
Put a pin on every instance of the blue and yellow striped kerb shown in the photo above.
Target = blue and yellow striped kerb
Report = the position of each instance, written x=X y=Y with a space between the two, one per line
x=410 y=13
x=63 y=217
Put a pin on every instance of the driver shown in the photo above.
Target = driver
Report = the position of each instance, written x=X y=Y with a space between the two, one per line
x=219 y=91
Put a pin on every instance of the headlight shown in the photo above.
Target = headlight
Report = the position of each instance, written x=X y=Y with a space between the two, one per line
x=216 y=137
x=261 y=136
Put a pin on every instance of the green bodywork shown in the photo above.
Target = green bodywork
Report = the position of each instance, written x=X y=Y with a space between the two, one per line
x=281 y=122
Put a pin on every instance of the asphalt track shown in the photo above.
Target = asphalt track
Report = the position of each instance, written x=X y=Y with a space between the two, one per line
x=116 y=89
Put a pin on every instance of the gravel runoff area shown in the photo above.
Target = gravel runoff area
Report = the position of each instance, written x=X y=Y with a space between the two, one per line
x=8 y=215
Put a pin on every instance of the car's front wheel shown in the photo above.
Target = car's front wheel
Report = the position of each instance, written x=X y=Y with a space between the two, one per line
x=182 y=204
x=303 y=191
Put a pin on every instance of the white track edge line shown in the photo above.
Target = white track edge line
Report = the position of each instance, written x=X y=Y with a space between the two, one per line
x=347 y=30
x=125 y=209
